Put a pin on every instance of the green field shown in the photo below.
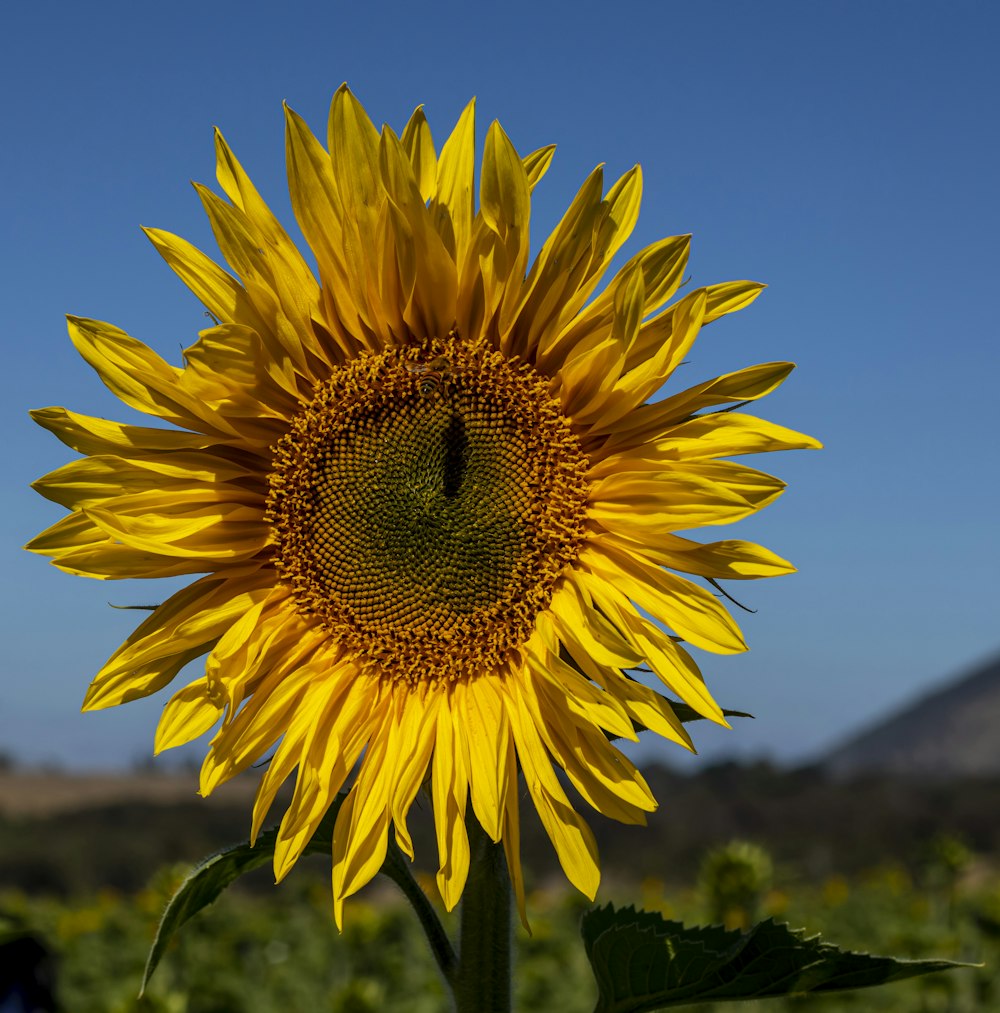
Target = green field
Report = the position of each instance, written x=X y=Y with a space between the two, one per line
x=264 y=949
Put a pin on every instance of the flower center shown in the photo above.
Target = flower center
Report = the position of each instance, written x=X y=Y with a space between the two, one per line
x=424 y=504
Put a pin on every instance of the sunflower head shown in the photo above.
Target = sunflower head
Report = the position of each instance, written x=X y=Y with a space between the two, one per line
x=427 y=499
x=423 y=505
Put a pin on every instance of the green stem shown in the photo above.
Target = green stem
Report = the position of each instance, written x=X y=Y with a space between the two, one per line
x=396 y=867
x=482 y=982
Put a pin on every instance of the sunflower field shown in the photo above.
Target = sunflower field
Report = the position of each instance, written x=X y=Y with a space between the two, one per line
x=279 y=949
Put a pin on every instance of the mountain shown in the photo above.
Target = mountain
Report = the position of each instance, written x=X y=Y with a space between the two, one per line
x=951 y=732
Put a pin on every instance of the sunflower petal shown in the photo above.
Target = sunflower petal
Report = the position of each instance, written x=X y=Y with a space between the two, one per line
x=417 y=737
x=726 y=560
x=221 y=294
x=449 y=790
x=186 y=624
x=505 y=207
x=419 y=147
x=651 y=422
x=690 y=611
x=572 y=838
x=89 y=435
x=484 y=723
x=430 y=308
x=453 y=204
x=190 y=713
x=319 y=211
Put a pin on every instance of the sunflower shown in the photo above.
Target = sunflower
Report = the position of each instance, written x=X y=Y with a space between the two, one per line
x=430 y=505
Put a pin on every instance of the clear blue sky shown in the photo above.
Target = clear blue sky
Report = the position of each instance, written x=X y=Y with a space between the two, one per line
x=844 y=153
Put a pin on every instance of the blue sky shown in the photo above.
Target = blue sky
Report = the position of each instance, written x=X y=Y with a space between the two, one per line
x=844 y=153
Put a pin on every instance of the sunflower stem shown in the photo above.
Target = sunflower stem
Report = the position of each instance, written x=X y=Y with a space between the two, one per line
x=397 y=869
x=482 y=983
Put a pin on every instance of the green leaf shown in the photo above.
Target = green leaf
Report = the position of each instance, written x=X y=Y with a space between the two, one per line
x=208 y=879
x=643 y=962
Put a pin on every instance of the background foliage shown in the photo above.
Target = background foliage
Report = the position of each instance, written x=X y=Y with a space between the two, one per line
x=258 y=951
x=883 y=866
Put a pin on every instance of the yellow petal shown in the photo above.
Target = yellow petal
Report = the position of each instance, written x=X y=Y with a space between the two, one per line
x=353 y=143
x=643 y=379
x=578 y=625
x=77 y=545
x=221 y=294
x=360 y=841
x=693 y=613
x=419 y=147
x=285 y=302
x=730 y=296
x=662 y=269
x=719 y=434
x=139 y=377
x=483 y=721
x=577 y=695
x=229 y=369
x=639 y=503
x=89 y=435
x=360 y=837
x=728 y=434
x=589 y=374
x=452 y=207
x=651 y=422
x=247 y=736
x=189 y=713
x=450 y=789
x=605 y=779
x=505 y=207
x=89 y=480
x=279 y=768
x=581 y=249
x=294 y=282
x=417 y=734
x=430 y=309
x=348 y=710
x=191 y=620
x=572 y=838
x=723 y=298
x=671 y=664
x=537 y=163
x=594 y=400
x=191 y=524
x=726 y=560
x=319 y=211
x=559 y=269
x=601 y=652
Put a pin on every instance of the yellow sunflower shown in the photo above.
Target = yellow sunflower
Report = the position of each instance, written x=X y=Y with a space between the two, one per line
x=434 y=507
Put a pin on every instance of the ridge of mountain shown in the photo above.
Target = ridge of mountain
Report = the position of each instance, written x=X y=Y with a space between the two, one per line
x=952 y=731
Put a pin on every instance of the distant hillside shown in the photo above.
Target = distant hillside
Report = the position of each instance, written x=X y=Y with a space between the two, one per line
x=36 y=794
x=952 y=732
x=813 y=826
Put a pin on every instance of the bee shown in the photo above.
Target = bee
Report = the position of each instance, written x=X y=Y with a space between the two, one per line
x=433 y=375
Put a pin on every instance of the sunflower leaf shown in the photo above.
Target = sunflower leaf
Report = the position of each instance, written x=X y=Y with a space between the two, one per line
x=208 y=879
x=643 y=962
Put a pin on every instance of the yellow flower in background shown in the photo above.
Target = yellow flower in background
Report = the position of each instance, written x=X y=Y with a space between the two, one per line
x=432 y=504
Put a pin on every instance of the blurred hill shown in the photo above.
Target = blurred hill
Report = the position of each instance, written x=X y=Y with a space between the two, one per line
x=43 y=793
x=953 y=731
x=809 y=821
